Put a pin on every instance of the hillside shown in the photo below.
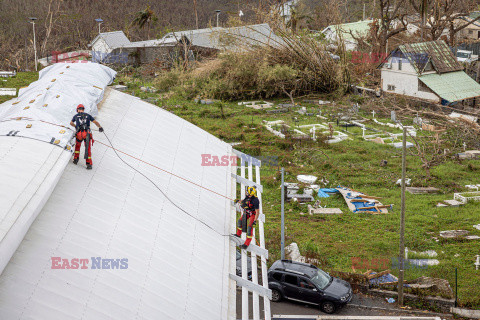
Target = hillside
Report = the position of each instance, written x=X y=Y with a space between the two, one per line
x=70 y=25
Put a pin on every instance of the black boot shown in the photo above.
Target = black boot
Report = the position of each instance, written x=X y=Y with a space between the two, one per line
x=75 y=161
x=235 y=235
x=243 y=246
x=89 y=166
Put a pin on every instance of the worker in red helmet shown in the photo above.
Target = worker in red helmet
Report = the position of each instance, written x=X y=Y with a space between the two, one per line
x=81 y=121
x=251 y=211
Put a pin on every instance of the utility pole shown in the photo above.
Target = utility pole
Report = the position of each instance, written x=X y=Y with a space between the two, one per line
x=32 y=21
x=282 y=241
x=363 y=16
x=218 y=13
x=99 y=21
x=402 y=220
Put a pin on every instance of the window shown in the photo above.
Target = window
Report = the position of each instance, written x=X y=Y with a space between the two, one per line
x=399 y=64
x=306 y=284
x=390 y=87
x=470 y=31
x=321 y=279
x=291 y=279
x=277 y=276
x=422 y=87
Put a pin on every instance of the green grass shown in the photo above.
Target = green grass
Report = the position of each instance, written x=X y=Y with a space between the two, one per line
x=22 y=79
x=354 y=163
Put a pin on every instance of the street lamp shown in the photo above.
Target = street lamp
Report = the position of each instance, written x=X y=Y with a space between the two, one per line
x=32 y=21
x=99 y=21
x=218 y=13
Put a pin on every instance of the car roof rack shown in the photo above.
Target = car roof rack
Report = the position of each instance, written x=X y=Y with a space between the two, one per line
x=300 y=263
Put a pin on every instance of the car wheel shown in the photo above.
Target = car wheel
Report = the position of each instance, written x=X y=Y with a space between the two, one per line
x=328 y=307
x=276 y=295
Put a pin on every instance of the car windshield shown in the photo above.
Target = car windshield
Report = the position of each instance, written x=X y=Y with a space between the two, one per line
x=321 y=279
x=463 y=55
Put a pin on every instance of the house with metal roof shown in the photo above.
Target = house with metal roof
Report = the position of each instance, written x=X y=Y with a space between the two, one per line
x=107 y=41
x=472 y=31
x=227 y=38
x=347 y=32
x=427 y=70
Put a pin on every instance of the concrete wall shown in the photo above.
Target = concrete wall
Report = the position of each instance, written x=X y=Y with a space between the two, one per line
x=404 y=80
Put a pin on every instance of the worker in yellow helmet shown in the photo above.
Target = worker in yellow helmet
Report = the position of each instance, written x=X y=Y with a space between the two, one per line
x=251 y=212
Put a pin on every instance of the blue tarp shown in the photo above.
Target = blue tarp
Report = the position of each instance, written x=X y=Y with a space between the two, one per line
x=324 y=193
x=360 y=205
x=383 y=279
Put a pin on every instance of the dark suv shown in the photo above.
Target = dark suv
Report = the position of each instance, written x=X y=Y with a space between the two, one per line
x=306 y=283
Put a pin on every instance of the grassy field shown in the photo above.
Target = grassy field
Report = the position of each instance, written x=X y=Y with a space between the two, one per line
x=354 y=163
x=22 y=79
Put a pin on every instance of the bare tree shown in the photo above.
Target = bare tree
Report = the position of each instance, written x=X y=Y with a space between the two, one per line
x=439 y=16
x=392 y=22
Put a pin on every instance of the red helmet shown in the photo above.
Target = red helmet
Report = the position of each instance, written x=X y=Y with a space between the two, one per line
x=80 y=106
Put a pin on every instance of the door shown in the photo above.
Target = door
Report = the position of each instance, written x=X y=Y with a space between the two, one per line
x=290 y=287
x=308 y=292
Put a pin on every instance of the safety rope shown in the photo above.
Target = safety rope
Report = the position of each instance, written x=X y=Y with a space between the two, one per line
x=152 y=165
x=159 y=189
x=156 y=186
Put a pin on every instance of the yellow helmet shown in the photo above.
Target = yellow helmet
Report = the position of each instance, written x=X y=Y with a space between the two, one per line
x=252 y=191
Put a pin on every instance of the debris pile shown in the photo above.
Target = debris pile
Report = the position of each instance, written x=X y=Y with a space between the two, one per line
x=360 y=202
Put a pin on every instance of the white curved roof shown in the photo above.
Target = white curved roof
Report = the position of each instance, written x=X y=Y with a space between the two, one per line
x=177 y=267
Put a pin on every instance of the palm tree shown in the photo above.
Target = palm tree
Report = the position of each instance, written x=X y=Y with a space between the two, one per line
x=143 y=18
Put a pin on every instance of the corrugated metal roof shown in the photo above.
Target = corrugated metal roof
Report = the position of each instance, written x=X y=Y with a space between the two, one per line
x=199 y=37
x=437 y=52
x=258 y=34
x=177 y=267
x=452 y=86
x=113 y=39
x=150 y=43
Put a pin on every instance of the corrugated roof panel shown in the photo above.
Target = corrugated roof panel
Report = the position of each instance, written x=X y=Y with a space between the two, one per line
x=452 y=86
x=115 y=39
x=437 y=52
x=359 y=29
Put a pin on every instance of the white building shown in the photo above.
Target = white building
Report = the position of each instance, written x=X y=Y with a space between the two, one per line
x=347 y=32
x=427 y=70
x=105 y=42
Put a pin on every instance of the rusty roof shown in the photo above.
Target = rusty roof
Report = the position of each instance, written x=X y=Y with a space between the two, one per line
x=436 y=52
